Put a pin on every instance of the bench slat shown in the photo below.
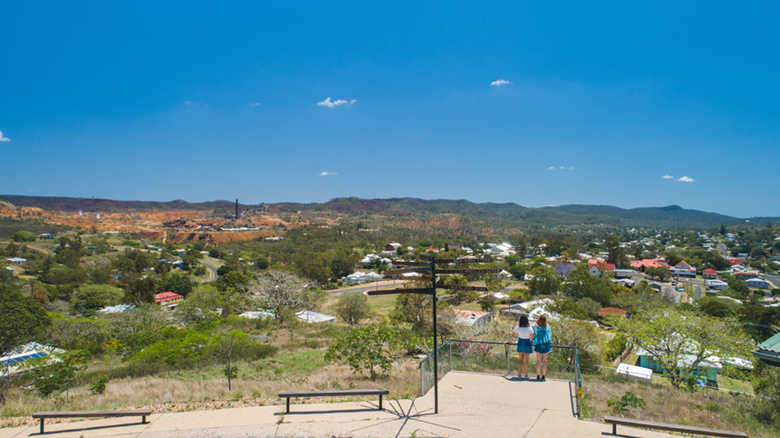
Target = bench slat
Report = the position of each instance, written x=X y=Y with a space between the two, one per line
x=71 y=414
x=674 y=427
x=334 y=393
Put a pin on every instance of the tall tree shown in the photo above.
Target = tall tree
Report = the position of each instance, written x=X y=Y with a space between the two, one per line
x=613 y=249
x=680 y=341
x=22 y=319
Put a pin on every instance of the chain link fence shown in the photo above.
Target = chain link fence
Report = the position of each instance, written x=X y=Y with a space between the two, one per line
x=498 y=358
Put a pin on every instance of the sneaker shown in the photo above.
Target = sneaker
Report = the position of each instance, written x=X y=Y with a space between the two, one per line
x=543 y=378
x=537 y=377
x=526 y=378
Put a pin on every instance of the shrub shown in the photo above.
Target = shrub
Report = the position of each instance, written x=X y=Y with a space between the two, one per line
x=24 y=236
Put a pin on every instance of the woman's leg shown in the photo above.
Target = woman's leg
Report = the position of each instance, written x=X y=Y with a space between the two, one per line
x=544 y=363
x=538 y=363
x=525 y=362
x=519 y=364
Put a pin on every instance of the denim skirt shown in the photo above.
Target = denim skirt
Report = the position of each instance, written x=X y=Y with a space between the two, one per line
x=524 y=346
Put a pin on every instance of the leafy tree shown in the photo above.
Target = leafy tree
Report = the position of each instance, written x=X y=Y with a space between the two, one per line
x=57 y=373
x=615 y=347
x=140 y=290
x=224 y=269
x=69 y=257
x=582 y=285
x=518 y=270
x=24 y=236
x=342 y=265
x=96 y=296
x=613 y=249
x=280 y=290
x=568 y=307
x=680 y=341
x=176 y=283
x=367 y=348
x=722 y=230
x=203 y=304
x=512 y=260
x=715 y=308
x=227 y=347
x=409 y=309
x=22 y=319
x=352 y=307
x=545 y=281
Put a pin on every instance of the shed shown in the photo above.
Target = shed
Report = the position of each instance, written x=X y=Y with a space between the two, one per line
x=634 y=372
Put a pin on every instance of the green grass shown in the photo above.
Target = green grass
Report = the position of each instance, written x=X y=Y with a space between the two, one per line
x=382 y=304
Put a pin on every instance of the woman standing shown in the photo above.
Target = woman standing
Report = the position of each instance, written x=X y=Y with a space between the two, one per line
x=524 y=348
x=543 y=337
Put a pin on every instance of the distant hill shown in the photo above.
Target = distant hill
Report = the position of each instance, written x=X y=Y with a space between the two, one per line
x=490 y=213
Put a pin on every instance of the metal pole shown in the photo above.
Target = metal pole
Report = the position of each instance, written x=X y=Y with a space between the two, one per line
x=435 y=340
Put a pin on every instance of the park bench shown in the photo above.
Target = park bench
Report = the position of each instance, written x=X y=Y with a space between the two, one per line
x=143 y=413
x=333 y=393
x=671 y=427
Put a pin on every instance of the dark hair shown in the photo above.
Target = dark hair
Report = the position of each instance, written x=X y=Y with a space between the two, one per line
x=523 y=321
x=542 y=321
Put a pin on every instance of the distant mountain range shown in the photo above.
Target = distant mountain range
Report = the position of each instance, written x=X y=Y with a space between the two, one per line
x=490 y=213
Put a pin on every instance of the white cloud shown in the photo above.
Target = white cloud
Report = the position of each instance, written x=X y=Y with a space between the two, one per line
x=571 y=168
x=668 y=177
x=686 y=179
x=327 y=173
x=3 y=138
x=255 y=104
x=187 y=102
x=551 y=168
x=561 y=167
x=500 y=82
x=333 y=104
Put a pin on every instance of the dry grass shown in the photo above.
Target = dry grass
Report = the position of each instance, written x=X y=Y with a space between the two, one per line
x=708 y=409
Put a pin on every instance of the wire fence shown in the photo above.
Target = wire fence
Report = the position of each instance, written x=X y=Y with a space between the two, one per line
x=498 y=358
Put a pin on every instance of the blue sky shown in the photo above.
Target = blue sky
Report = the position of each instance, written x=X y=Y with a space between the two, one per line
x=203 y=101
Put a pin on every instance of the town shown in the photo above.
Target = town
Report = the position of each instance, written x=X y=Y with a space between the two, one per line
x=108 y=307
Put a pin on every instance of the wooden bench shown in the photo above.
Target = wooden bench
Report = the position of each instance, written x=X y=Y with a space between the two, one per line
x=333 y=393
x=671 y=427
x=93 y=414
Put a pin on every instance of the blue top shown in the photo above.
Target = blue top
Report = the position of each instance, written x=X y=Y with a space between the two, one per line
x=542 y=335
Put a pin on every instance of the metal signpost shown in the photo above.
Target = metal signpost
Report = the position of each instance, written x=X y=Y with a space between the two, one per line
x=422 y=268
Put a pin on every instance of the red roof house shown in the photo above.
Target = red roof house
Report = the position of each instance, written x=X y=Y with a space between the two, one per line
x=167 y=298
x=641 y=265
x=709 y=274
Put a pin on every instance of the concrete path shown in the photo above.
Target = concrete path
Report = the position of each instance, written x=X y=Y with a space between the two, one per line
x=470 y=405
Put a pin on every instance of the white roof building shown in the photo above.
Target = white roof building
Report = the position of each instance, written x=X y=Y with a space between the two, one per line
x=312 y=317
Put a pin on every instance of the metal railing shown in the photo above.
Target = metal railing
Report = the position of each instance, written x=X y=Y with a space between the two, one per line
x=499 y=358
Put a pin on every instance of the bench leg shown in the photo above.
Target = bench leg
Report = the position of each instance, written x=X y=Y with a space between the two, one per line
x=143 y=419
x=380 y=402
x=41 y=426
x=288 y=406
x=614 y=429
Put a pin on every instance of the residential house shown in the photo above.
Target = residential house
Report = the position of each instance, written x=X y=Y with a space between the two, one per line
x=768 y=352
x=641 y=265
x=747 y=275
x=710 y=274
x=759 y=283
x=683 y=269
x=596 y=268
x=474 y=319
x=624 y=273
x=16 y=261
x=168 y=299
x=715 y=286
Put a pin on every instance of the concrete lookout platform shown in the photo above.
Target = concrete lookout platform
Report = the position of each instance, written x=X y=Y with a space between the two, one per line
x=470 y=405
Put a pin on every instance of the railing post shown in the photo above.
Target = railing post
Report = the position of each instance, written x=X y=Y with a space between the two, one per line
x=508 y=360
x=450 y=359
x=422 y=380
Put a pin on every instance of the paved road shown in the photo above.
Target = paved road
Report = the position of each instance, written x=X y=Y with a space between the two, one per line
x=774 y=279
x=696 y=292
x=379 y=285
x=212 y=270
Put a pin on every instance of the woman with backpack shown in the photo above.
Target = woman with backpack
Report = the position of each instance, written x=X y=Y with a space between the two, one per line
x=525 y=336
x=542 y=340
